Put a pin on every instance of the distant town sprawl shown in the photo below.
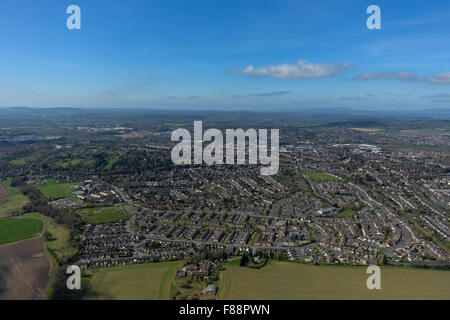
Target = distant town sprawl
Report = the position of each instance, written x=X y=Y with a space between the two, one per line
x=346 y=192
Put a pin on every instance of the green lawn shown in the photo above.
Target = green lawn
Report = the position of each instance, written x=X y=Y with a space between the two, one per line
x=15 y=229
x=115 y=157
x=104 y=214
x=150 y=281
x=346 y=213
x=13 y=203
x=321 y=176
x=18 y=162
x=54 y=190
x=70 y=163
x=289 y=281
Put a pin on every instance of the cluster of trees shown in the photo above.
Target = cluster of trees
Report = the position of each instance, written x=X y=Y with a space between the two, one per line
x=211 y=255
x=39 y=203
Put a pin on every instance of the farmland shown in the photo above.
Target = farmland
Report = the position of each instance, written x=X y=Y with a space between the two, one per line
x=150 y=281
x=58 y=241
x=278 y=280
x=284 y=280
x=11 y=201
x=54 y=190
x=24 y=271
x=15 y=229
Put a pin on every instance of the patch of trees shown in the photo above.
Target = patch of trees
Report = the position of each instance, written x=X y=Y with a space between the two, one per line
x=211 y=255
x=244 y=260
x=39 y=203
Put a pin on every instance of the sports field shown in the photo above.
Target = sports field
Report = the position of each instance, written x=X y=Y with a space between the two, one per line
x=291 y=281
x=150 y=281
x=11 y=200
x=54 y=190
x=15 y=229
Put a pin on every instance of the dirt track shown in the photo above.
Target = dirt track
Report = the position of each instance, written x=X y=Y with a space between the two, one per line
x=24 y=270
x=3 y=192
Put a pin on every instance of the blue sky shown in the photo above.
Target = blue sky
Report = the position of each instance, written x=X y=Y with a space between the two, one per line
x=225 y=54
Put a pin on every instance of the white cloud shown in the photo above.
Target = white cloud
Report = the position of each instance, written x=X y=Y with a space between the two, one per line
x=303 y=69
x=403 y=76
x=443 y=78
x=263 y=94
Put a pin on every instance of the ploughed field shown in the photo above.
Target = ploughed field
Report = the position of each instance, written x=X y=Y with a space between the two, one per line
x=24 y=270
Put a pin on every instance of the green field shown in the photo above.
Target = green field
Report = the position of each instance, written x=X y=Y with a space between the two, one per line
x=54 y=190
x=277 y=280
x=104 y=214
x=18 y=162
x=321 y=176
x=70 y=163
x=346 y=213
x=290 y=281
x=150 y=281
x=58 y=243
x=13 y=203
x=112 y=161
x=15 y=229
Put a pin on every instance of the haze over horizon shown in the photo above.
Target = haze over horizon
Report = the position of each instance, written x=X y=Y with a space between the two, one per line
x=230 y=55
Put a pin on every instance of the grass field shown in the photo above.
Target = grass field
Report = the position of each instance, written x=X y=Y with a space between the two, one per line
x=70 y=163
x=18 y=162
x=150 y=281
x=277 y=280
x=113 y=160
x=346 y=213
x=54 y=190
x=284 y=280
x=59 y=242
x=13 y=203
x=104 y=214
x=57 y=246
x=15 y=229
x=321 y=176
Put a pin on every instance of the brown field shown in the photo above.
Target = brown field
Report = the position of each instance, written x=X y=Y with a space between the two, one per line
x=366 y=129
x=430 y=132
x=24 y=270
x=3 y=192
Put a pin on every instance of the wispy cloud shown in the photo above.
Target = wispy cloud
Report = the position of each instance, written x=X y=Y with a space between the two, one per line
x=402 y=76
x=263 y=94
x=303 y=69
x=184 y=97
x=353 y=98
x=443 y=78
x=437 y=96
